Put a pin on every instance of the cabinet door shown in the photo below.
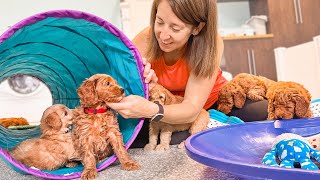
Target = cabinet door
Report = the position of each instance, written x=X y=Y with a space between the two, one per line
x=283 y=22
x=236 y=57
x=254 y=56
x=309 y=13
x=262 y=57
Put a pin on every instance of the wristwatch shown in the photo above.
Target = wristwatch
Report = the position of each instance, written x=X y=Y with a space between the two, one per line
x=159 y=115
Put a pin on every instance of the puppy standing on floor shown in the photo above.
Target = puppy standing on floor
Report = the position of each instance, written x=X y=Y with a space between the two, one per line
x=54 y=148
x=96 y=132
x=165 y=97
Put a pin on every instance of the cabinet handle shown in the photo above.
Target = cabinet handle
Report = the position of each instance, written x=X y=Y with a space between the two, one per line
x=296 y=11
x=253 y=62
x=300 y=12
x=249 y=61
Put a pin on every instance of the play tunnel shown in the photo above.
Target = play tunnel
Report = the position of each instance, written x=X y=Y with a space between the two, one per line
x=63 y=48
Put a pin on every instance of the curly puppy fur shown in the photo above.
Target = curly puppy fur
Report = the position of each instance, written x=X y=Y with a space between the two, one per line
x=54 y=148
x=287 y=100
x=165 y=97
x=7 y=122
x=242 y=86
x=97 y=136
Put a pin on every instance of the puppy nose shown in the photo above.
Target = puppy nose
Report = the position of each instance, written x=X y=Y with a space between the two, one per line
x=121 y=90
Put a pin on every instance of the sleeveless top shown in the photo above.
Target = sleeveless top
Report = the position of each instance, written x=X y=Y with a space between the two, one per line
x=175 y=79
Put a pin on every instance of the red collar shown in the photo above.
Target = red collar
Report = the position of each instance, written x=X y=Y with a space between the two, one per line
x=95 y=111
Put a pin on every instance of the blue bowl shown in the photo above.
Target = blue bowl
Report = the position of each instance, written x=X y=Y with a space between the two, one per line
x=238 y=149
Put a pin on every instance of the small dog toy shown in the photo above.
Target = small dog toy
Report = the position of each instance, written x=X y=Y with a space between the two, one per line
x=290 y=149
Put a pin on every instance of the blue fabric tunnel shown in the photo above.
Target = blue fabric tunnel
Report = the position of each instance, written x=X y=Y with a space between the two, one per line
x=63 y=48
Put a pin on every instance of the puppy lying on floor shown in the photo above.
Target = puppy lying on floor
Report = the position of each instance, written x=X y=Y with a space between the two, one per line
x=242 y=86
x=96 y=132
x=165 y=97
x=54 y=148
x=287 y=100
x=6 y=122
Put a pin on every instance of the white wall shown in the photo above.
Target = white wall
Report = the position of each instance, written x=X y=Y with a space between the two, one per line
x=135 y=16
x=13 y=11
x=233 y=14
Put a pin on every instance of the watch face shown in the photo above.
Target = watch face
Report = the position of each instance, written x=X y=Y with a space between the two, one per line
x=24 y=84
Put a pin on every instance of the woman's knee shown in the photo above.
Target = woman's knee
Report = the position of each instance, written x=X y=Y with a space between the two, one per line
x=252 y=111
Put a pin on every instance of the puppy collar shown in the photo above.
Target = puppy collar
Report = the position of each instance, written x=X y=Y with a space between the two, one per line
x=95 y=111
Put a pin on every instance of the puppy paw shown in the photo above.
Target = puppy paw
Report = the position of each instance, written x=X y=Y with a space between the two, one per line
x=255 y=97
x=89 y=174
x=225 y=108
x=149 y=147
x=181 y=145
x=162 y=147
x=130 y=166
x=71 y=164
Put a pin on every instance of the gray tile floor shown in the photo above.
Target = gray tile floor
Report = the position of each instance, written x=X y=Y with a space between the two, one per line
x=174 y=164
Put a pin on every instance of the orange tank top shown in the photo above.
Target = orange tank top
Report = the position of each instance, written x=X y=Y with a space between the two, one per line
x=175 y=79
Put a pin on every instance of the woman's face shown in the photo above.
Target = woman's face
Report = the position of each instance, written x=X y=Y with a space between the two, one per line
x=172 y=34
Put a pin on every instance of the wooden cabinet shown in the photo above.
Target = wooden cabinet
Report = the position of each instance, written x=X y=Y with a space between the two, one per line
x=309 y=19
x=291 y=21
x=254 y=56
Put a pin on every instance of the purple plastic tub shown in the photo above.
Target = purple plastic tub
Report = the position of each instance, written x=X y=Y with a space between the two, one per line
x=238 y=149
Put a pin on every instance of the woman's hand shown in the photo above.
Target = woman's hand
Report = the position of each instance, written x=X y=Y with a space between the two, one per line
x=148 y=73
x=134 y=106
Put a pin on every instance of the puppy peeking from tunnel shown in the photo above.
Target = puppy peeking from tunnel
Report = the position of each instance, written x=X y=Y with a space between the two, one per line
x=96 y=131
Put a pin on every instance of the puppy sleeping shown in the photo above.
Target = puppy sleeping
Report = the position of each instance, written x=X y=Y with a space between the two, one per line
x=242 y=86
x=96 y=132
x=165 y=97
x=7 y=122
x=287 y=100
x=54 y=148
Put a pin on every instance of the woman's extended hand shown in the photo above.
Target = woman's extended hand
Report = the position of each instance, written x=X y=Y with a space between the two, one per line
x=148 y=73
x=134 y=106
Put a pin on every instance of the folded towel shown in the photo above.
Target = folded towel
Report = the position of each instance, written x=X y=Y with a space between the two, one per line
x=218 y=118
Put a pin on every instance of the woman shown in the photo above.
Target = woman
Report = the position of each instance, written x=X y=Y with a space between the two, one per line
x=184 y=52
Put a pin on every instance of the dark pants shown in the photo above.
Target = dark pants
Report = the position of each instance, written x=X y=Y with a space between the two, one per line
x=251 y=111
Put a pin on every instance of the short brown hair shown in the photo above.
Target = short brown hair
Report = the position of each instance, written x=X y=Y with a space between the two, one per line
x=201 y=48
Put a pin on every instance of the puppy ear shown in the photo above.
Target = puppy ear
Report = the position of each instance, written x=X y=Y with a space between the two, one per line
x=87 y=91
x=168 y=96
x=302 y=105
x=52 y=121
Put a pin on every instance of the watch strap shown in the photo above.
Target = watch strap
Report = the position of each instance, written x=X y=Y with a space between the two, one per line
x=159 y=115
